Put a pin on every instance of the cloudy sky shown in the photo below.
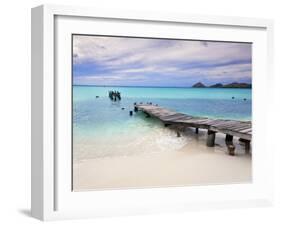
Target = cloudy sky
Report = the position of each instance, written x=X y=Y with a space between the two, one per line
x=121 y=61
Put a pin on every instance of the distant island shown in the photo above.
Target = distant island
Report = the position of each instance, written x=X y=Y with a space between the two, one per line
x=220 y=85
x=199 y=85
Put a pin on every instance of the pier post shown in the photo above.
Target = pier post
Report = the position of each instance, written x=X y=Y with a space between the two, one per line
x=231 y=149
x=247 y=146
x=196 y=130
x=229 y=144
x=131 y=113
x=228 y=139
x=136 y=109
x=211 y=138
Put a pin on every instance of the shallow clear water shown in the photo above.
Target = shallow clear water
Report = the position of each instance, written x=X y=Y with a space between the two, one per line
x=101 y=128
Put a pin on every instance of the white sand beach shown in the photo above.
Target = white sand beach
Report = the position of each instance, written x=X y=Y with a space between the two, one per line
x=193 y=164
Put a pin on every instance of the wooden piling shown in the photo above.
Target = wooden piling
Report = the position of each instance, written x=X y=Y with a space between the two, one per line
x=136 y=109
x=131 y=113
x=246 y=143
x=196 y=130
x=247 y=146
x=231 y=149
x=228 y=139
x=229 y=144
x=211 y=138
x=113 y=95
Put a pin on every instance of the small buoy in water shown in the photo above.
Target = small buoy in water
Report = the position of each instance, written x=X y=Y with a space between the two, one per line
x=150 y=103
x=131 y=113
x=135 y=103
x=233 y=97
x=244 y=99
x=122 y=108
x=97 y=96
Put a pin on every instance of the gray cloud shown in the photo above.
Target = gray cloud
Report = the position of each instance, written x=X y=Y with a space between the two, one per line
x=129 y=58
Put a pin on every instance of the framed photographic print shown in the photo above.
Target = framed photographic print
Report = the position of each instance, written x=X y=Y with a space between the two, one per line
x=137 y=113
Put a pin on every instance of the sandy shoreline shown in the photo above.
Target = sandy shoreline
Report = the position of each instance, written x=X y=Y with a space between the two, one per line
x=193 y=164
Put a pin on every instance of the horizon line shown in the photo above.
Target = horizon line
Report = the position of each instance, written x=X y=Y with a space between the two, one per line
x=151 y=86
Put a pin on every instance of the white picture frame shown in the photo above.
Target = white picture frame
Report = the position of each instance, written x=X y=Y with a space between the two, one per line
x=52 y=197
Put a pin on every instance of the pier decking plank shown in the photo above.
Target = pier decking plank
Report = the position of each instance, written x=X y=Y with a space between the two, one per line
x=241 y=129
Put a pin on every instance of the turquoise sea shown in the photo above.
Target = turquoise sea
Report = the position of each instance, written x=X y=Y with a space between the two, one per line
x=102 y=129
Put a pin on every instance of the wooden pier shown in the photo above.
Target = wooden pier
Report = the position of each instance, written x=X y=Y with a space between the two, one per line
x=231 y=128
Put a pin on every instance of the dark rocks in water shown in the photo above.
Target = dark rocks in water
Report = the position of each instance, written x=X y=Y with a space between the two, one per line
x=198 y=85
x=123 y=108
x=217 y=85
x=233 y=97
x=244 y=99
x=97 y=96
